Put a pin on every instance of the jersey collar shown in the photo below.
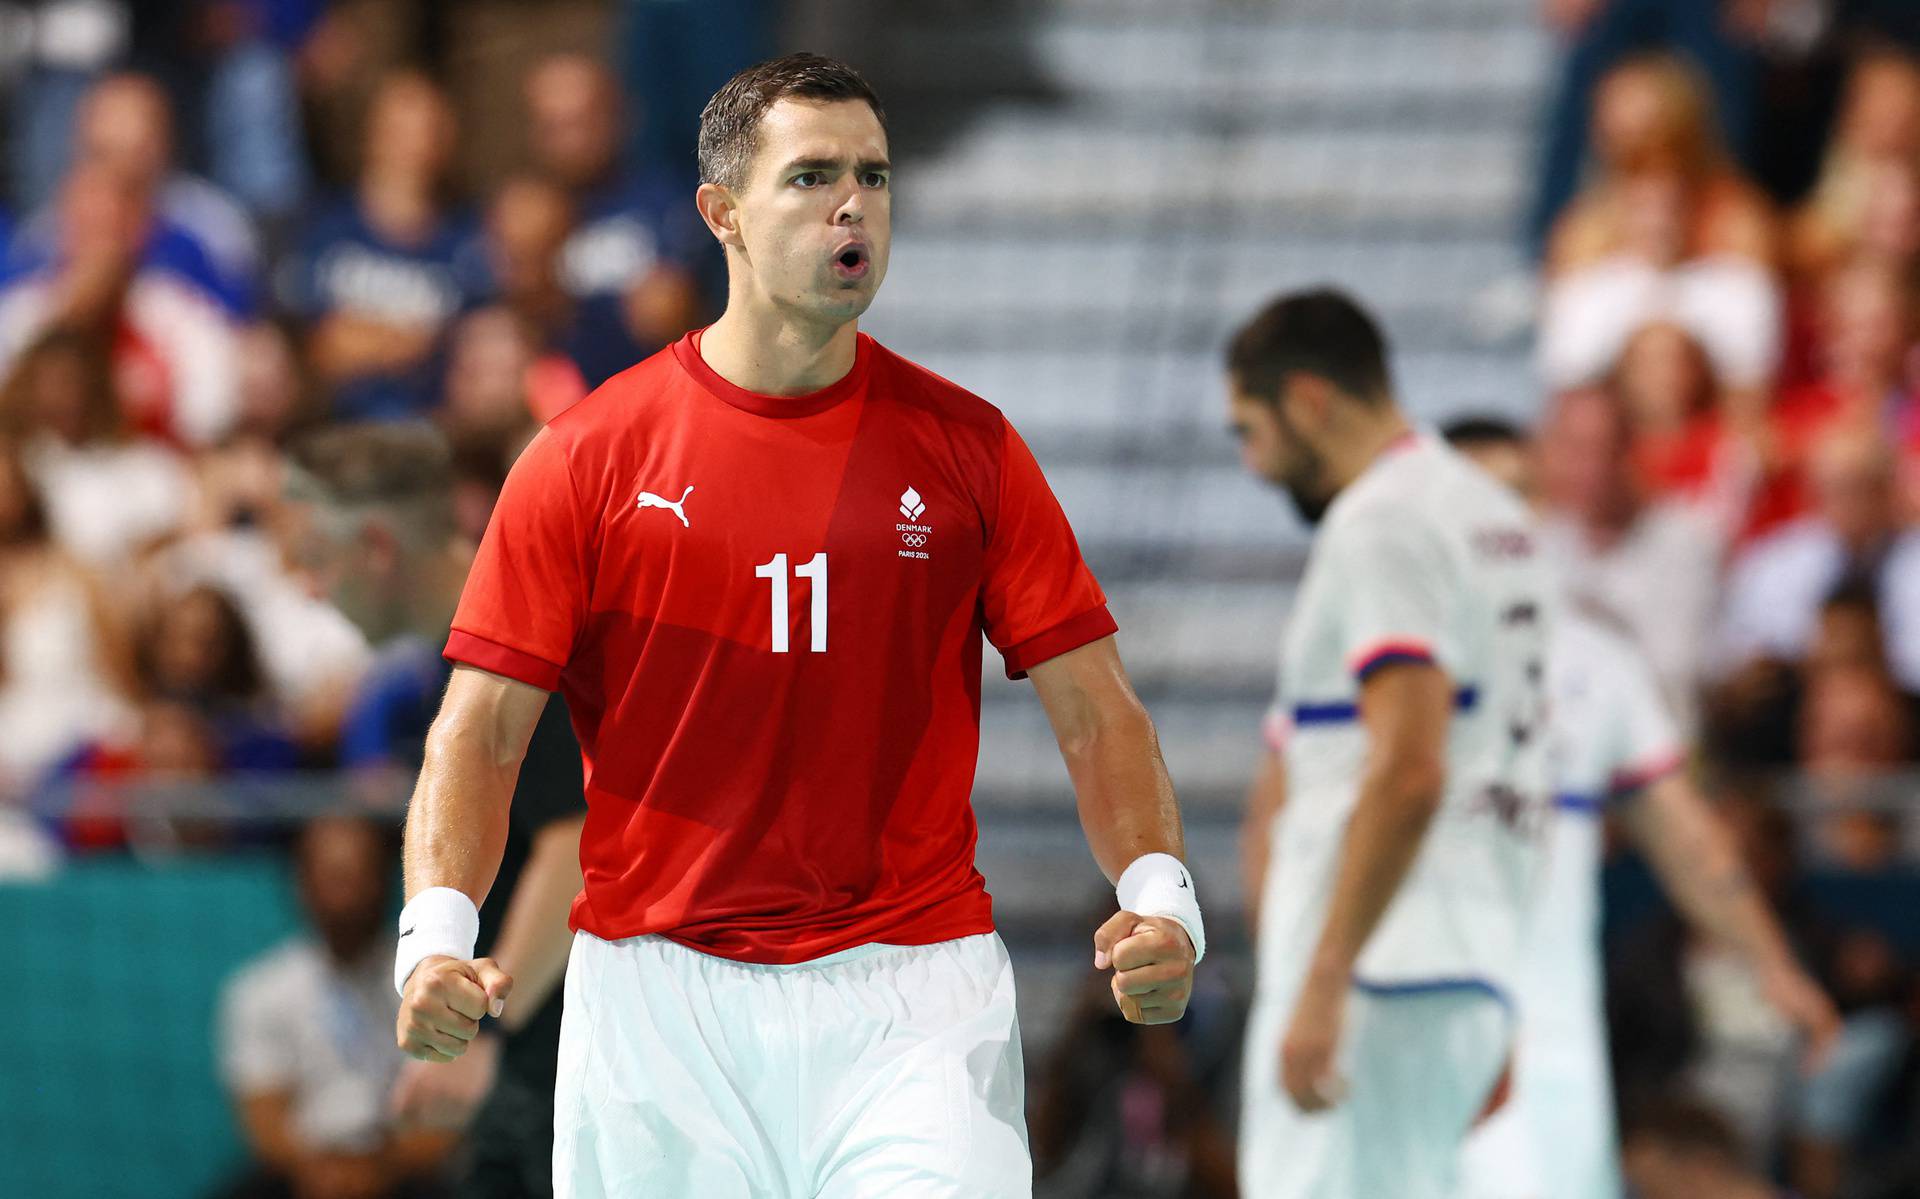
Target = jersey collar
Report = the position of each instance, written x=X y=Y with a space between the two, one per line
x=687 y=352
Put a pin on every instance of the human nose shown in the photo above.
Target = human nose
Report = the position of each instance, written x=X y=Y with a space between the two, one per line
x=852 y=210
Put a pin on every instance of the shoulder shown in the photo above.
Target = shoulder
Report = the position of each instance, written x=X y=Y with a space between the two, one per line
x=622 y=406
x=906 y=382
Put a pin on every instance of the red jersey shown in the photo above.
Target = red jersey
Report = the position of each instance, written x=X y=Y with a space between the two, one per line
x=766 y=614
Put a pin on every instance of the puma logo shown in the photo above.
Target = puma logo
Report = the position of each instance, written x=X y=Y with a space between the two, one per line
x=677 y=507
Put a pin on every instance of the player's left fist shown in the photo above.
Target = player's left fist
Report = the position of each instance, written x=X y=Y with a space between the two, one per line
x=1152 y=962
x=445 y=999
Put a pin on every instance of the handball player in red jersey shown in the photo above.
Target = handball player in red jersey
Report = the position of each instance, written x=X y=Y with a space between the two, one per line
x=759 y=566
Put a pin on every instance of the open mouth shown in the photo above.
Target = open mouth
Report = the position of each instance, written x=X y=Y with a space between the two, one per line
x=851 y=262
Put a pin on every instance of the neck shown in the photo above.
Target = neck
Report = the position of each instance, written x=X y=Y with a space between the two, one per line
x=754 y=347
x=1371 y=438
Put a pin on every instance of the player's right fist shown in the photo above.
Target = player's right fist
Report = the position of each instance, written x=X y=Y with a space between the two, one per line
x=444 y=1000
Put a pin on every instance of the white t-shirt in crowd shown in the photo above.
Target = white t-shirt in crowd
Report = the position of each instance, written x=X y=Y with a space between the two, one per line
x=292 y=1020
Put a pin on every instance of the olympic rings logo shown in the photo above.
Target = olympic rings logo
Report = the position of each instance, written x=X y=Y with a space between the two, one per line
x=914 y=539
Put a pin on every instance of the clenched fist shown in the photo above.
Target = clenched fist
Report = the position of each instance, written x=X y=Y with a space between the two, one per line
x=445 y=999
x=1152 y=961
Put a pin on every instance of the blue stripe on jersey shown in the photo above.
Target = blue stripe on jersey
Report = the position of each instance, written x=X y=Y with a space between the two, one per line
x=1344 y=712
x=1581 y=805
x=1432 y=986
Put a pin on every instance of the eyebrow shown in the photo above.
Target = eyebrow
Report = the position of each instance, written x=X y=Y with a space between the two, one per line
x=834 y=164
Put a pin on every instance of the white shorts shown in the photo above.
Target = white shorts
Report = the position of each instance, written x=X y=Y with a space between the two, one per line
x=1555 y=1137
x=881 y=1071
x=1419 y=1068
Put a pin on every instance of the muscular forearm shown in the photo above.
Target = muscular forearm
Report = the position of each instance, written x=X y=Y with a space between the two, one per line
x=1701 y=871
x=1125 y=798
x=457 y=821
x=533 y=941
x=1390 y=819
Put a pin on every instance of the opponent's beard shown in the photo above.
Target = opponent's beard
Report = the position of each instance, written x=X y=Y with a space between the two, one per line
x=1311 y=505
x=1306 y=486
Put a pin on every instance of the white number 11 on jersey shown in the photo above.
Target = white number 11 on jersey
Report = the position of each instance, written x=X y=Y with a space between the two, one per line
x=816 y=571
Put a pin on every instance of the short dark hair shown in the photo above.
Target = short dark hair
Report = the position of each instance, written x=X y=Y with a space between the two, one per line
x=730 y=123
x=1317 y=332
x=1479 y=430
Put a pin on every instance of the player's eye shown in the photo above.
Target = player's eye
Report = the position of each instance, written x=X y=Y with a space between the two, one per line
x=874 y=179
x=807 y=179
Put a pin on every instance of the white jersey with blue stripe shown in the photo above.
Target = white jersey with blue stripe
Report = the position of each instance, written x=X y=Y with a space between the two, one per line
x=1612 y=735
x=1423 y=558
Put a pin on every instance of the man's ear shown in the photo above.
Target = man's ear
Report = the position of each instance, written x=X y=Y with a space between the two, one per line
x=721 y=212
x=1305 y=400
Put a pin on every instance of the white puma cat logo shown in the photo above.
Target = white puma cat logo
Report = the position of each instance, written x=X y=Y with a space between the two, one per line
x=678 y=508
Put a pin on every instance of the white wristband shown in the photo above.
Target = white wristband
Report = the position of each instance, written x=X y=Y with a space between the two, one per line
x=438 y=921
x=1157 y=884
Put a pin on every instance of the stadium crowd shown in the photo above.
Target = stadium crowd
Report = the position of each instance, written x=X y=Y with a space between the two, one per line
x=272 y=329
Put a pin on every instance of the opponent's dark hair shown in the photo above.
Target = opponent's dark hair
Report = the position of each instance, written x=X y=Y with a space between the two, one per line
x=730 y=123
x=1473 y=432
x=1317 y=332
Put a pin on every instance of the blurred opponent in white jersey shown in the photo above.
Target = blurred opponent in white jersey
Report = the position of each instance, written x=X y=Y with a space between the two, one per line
x=1411 y=745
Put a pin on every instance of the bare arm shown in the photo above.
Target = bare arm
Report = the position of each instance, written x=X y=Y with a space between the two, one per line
x=1112 y=754
x=1127 y=809
x=1700 y=868
x=1264 y=800
x=457 y=821
x=456 y=832
x=1405 y=709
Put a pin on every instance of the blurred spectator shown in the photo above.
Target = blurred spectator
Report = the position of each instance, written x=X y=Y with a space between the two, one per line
x=1655 y=563
x=1677 y=1148
x=197 y=651
x=1668 y=232
x=380 y=275
x=1865 y=196
x=1131 y=1112
x=1718 y=36
x=500 y=386
x=384 y=528
x=633 y=257
x=1777 y=586
x=306 y=1037
x=1855 y=727
x=126 y=127
x=172 y=344
x=272 y=386
x=65 y=672
x=1685 y=445
x=66 y=45
x=255 y=144
x=1865 y=337
x=108 y=494
x=677 y=54
x=527 y=229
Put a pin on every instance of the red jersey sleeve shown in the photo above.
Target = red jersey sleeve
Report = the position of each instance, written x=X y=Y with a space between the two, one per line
x=1039 y=600
x=526 y=595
